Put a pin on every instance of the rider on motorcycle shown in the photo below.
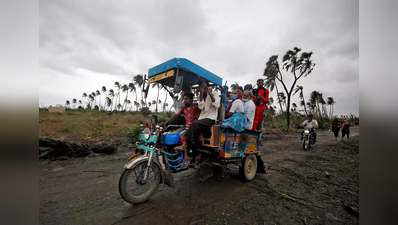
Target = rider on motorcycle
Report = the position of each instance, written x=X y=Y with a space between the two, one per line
x=312 y=124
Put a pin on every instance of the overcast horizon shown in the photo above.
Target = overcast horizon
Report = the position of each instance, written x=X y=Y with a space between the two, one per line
x=85 y=45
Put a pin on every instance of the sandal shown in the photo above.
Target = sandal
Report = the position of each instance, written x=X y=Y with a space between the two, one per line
x=185 y=165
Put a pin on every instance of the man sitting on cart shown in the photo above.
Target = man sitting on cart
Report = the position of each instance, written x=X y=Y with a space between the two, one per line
x=209 y=102
x=191 y=113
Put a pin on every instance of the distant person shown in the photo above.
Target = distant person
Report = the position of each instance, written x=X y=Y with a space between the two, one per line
x=310 y=123
x=250 y=108
x=356 y=123
x=345 y=130
x=335 y=127
x=248 y=87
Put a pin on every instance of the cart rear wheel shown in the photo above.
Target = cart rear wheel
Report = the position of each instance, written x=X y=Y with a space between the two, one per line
x=249 y=168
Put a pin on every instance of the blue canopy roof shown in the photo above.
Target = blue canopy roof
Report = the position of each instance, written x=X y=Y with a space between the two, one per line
x=190 y=71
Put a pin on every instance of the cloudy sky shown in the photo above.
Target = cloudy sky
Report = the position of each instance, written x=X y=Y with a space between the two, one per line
x=85 y=45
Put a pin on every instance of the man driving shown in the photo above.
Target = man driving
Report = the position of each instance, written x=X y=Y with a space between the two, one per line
x=310 y=123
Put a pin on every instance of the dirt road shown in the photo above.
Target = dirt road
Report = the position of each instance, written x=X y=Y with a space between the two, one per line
x=317 y=186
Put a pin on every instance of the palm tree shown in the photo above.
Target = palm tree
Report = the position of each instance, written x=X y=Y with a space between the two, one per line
x=80 y=102
x=103 y=89
x=234 y=86
x=282 y=99
x=125 y=88
x=294 y=107
x=111 y=93
x=165 y=106
x=108 y=102
x=139 y=81
x=98 y=93
x=149 y=104
x=67 y=103
x=84 y=95
x=74 y=103
x=118 y=86
x=133 y=89
x=157 y=98
x=330 y=103
x=301 y=96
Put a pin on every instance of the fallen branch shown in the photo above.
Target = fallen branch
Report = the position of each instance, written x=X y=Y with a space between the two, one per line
x=131 y=215
x=165 y=215
x=288 y=197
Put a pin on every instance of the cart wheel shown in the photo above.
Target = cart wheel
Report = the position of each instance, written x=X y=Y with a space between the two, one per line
x=249 y=168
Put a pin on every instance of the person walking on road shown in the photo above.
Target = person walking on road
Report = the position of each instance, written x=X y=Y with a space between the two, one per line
x=335 y=127
x=345 y=130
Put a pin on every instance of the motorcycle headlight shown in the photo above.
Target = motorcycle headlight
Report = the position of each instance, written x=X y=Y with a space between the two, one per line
x=147 y=133
x=307 y=131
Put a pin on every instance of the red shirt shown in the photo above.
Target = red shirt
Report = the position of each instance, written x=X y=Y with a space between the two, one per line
x=263 y=92
x=191 y=114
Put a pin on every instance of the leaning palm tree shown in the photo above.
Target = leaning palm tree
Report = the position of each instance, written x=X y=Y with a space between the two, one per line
x=125 y=88
x=84 y=95
x=111 y=93
x=139 y=81
x=67 y=103
x=234 y=86
x=301 y=96
x=103 y=90
x=159 y=87
x=98 y=93
x=74 y=101
x=282 y=99
x=108 y=102
x=80 y=102
x=270 y=83
x=118 y=86
x=330 y=103
x=133 y=89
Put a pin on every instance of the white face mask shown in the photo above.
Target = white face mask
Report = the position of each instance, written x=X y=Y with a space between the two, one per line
x=245 y=99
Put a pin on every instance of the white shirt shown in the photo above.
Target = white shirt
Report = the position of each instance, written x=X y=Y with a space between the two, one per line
x=237 y=106
x=311 y=124
x=250 y=108
x=208 y=108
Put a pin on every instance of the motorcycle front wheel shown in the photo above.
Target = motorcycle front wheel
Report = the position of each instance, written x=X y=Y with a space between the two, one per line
x=133 y=189
x=305 y=144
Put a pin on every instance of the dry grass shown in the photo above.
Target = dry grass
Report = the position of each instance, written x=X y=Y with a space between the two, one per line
x=87 y=125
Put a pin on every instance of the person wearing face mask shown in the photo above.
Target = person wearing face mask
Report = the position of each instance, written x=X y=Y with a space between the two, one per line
x=235 y=117
x=250 y=108
x=262 y=98
x=236 y=105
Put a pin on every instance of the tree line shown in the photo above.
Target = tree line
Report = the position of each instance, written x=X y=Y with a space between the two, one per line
x=111 y=99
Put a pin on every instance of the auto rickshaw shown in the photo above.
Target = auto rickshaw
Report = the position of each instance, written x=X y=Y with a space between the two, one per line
x=156 y=159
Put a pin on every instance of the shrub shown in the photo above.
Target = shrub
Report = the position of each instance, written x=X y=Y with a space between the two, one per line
x=145 y=111
x=131 y=136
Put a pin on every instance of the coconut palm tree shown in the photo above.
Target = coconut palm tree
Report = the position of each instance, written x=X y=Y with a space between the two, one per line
x=108 y=102
x=125 y=88
x=159 y=87
x=234 y=86
x=282 y=99
x=301 y=96
x=139 y=81
x=270 y=83
x=118 y=86
x=74 y=101
x=98 y=93
x=111 y=94
x=67 y=103
x=80 y=103
x=330 y=103
x=84 y=95
x=103 y=90
x=133 y=89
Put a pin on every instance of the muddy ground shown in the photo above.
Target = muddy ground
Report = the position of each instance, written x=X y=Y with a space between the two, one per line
x=317 y=186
